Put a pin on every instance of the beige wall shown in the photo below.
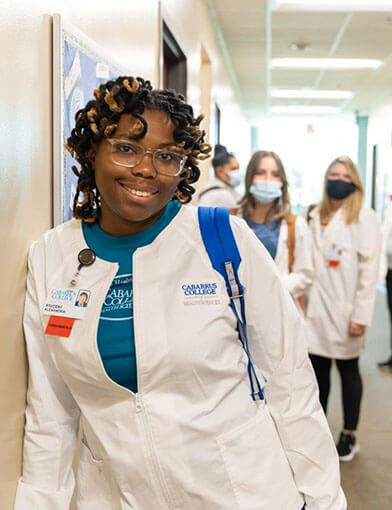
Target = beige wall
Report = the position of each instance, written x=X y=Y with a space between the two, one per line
x=130 y=33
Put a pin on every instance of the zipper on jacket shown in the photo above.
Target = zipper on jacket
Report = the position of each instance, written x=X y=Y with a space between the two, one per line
x=141 y=411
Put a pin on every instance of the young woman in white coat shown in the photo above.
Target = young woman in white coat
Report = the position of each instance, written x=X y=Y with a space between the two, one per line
x=152 y=370
x=386 y=275
x=266 y=208
x=340 y=304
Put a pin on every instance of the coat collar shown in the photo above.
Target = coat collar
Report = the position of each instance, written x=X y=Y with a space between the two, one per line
x=70 y=236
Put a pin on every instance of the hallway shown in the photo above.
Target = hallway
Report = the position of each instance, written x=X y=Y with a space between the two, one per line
x=369 y=474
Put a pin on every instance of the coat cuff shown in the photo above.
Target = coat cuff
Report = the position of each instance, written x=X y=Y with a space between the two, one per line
x=362 y=315
x=340 y=503
x=29 y=497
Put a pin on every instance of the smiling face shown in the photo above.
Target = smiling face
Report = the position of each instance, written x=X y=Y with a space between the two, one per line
x=82 y=299
x=132 y=199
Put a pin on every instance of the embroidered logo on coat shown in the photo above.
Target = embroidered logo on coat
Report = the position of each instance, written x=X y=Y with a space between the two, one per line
x=200 y=294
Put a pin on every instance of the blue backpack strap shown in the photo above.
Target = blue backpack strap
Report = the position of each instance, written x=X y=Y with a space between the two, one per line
x=225 y=258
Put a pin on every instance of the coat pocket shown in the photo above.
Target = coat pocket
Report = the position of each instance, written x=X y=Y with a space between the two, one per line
x=92 y=488
x=257 y=466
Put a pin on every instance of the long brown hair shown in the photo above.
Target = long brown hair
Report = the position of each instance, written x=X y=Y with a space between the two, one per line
x=352 y=204
x=281 y=206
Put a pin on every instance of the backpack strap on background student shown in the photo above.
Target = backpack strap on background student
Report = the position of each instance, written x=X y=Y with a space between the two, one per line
x=309 y=211
x=291 y=240
x=225 y=258
x=212 y=188
x=291 y=249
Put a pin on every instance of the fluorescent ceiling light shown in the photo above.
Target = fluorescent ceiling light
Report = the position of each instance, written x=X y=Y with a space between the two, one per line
x=333 y=5
x=311 y=94
x=309 y=110
x=325 y=63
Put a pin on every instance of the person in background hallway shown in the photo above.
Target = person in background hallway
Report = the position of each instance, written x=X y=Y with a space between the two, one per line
x=347 y=244
x=155 y=383
x=266 y=208
x=386 y=273
x=220 y=191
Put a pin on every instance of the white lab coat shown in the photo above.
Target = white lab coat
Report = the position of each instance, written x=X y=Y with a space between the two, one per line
x=386 y=233
x=347 y=292
x=191 y=438
x=223 y=196
x=300 y=279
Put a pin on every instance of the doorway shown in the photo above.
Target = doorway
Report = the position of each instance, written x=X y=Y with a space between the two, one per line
x=174 y=63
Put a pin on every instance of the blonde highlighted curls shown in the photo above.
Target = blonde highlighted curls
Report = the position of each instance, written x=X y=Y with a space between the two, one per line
x=110 y=129
x=100 y=118
x=205 y=150
x=181 y=197
x=109 y=100
x=92 y=114
x=94 y=128
x=131 y=88
x=136 y=129
x=88 y=199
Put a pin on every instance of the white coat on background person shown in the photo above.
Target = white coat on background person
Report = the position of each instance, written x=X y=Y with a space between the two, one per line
x=266 y=209
x=347 y=243
x=345 y=293
x=386 y=247
x=221 y=190
x=386 y=273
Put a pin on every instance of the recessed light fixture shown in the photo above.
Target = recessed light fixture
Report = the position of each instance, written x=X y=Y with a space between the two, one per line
x=305 y=109
x=332 y=5
x=325 y=63
x=311 y=94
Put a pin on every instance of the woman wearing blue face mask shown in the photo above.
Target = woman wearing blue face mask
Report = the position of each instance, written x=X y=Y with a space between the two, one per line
x=266 y=208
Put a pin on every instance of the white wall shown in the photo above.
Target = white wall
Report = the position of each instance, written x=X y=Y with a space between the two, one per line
x=127 y=29
x=306 y=155
x=380 y=133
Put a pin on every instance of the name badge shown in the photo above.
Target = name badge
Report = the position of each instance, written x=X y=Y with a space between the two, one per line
x=334 y=256
x=69 y=303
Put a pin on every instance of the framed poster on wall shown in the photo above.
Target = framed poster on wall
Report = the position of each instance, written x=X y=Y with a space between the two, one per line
x=79 y=66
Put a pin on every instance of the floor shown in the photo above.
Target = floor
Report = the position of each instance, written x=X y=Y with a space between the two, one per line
x=367 y=480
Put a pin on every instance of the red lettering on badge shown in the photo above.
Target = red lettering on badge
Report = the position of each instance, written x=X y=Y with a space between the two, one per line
x=59 y=326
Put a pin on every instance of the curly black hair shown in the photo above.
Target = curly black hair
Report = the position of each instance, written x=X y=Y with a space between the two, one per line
x=100 y=118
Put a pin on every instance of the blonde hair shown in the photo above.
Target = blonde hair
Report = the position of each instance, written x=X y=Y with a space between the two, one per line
x=281 y=206
x=352 y=204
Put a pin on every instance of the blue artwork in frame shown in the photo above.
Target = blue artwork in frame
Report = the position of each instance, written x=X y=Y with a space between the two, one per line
x=80 y=66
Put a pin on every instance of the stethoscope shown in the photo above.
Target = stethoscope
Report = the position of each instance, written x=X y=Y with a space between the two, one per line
x=86 y=258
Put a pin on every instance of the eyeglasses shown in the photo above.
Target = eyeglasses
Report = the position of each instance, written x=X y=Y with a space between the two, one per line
x=129 y=153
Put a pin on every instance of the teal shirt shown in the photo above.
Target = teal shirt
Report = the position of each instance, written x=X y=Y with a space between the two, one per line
x=116 y=341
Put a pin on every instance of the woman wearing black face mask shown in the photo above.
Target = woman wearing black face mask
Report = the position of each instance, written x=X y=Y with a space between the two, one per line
x=340 y=304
